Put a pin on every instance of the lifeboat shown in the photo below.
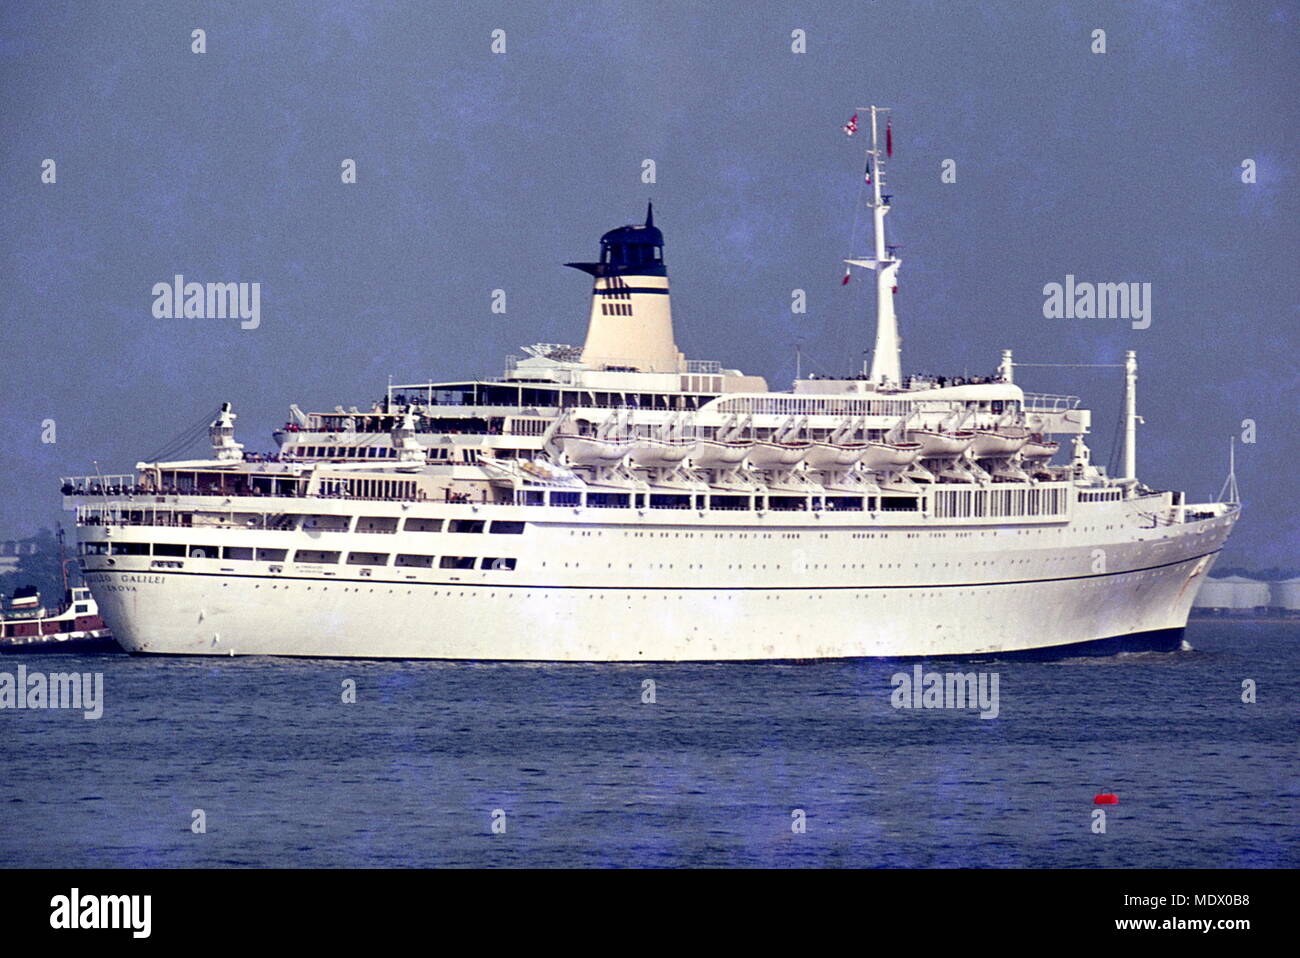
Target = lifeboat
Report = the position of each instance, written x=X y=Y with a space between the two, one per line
x=1038 y=449
x=712 y=454
x=999 y=443
x=834 y=455
x=942 y=445
x=891 y=456
x=776 y=455
x=659 y=453
x=589 y=451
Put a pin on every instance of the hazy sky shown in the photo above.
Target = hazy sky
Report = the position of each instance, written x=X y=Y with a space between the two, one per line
x=478 y=171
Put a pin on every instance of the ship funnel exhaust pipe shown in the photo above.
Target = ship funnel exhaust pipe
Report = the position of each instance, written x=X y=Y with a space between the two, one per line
x=631 y=320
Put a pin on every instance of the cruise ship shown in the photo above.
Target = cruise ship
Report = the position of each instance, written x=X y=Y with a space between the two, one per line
x=619 y=502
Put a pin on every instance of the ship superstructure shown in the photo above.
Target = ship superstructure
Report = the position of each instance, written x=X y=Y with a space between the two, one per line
x=619 y=502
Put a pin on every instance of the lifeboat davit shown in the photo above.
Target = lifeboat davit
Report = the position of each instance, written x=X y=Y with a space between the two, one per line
x=942 y=445
x=834 y=455
x=776 y=455
x=712 y=454
x=1038 y=449
x=659 y=453
x=999 y=443
x=589 y=451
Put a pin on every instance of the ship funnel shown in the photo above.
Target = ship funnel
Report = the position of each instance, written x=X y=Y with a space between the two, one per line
x=222 y=434
x=631 y=323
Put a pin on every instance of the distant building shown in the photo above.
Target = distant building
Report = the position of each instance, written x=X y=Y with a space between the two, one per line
x=12 y=550
x=1233 y=595
x=1286 y=596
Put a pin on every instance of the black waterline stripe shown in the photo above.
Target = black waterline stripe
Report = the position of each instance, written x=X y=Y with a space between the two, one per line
x=652 y=588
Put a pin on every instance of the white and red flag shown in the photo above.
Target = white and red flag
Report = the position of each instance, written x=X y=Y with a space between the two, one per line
x=852 y=126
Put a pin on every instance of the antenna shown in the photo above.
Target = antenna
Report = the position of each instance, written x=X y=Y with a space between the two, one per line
x=1131 y=418
x=1229 y=493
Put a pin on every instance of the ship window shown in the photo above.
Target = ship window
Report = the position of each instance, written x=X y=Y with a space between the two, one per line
x=414 y=561
x=203 y=552
x=315 y=555
x=235 y=552
x=272 y=555
x=130 y=548
x=899 y=503
x=423 y=525
x=668 y=501
x=367 y=558
x=326 y=523
x=82 y=608
x=456 y=562
x=377 y=524
x=168 y=549
x=500 y=565
x=502 y=527
x=466 y=525
x=94 y=548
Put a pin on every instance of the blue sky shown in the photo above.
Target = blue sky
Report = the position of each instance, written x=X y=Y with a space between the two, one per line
x=479 y=171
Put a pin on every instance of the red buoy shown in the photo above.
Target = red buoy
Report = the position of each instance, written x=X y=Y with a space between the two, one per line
x=1105 y=799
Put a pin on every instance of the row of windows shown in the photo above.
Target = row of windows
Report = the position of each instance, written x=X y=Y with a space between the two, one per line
x=772 y=503
x=377 y=524
x=369 y=488
x=388 y=524
x=363 y=452
x=1110 y=495
x=345 y=452
x=405 y=560
x=315 y=556
x=979 y=503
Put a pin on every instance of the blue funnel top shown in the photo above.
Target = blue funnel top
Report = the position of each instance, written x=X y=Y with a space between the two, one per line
x=630 y=251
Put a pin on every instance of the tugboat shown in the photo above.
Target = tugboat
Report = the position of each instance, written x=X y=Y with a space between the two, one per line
x=28 y=626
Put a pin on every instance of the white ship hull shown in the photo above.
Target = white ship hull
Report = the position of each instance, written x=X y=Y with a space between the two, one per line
x=510 y=518
x=661 y=592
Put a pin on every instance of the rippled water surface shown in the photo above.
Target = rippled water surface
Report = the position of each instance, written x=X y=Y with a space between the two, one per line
x=587 y=774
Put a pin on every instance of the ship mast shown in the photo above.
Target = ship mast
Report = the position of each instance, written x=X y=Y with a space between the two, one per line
x=1131 y=418
x=885 y=358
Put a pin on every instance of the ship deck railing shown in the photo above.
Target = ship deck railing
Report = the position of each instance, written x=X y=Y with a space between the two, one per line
x=1050 y=402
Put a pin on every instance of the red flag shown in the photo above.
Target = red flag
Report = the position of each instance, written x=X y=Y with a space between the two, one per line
x=845 y=280
x=852 y=126
x=889 y=137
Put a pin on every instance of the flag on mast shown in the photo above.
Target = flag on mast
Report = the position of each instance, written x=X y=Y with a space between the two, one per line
x=852 y=126
x=845 y=280
x=867 y=172
x=889 y=137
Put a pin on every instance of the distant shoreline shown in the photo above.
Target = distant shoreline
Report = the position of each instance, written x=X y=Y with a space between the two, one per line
x=1294 y=619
